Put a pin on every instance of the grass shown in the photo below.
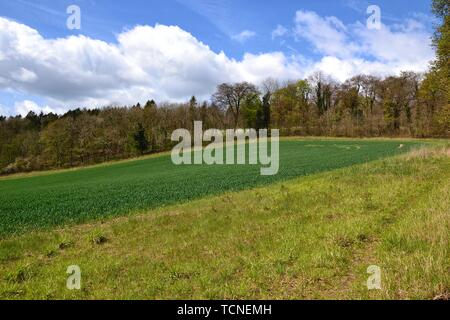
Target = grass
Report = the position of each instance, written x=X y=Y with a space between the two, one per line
x=311 y=237
x=77 y=196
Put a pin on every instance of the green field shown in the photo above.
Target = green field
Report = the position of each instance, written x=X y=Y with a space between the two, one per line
x=310 y=237
x=43 y=201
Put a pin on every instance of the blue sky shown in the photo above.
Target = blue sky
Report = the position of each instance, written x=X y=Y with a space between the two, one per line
x=310 y=36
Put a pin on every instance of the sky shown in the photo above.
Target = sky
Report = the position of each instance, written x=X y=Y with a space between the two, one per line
x=137 y=50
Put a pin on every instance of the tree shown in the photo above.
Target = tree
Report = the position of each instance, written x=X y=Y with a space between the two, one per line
x=140 y=139
x=34 y=121
x=204 y=114
x=441 y=38
x=59 y=140
x=434 y=92
x=46 y=119
x=441 y=42
x=323 y=91
x=289 y=106
x=270 y=86
x=369 y=86
x=193 y=103
x=150 y=104
x=252 y=110
x=353 y=103
x=265 y=116
x=192 y=112
x=231 y=96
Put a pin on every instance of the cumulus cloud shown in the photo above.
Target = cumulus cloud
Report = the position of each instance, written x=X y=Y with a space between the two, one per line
x=244 y=36
x=24 y=107
x=406 y=45
x=328 y=35
x=255 y=68
x=343 y=69
x=160 y=62
x=353 y=49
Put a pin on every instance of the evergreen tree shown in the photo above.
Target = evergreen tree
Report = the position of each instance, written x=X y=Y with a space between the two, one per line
x=141 y=140
x=265 y=122
x=150 y=104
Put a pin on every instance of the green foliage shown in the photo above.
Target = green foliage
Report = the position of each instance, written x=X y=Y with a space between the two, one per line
x=141 y=140
x=252 y=111
x=435 y=89
x=441 y=8
x=290 y=107
x=263 y=118
x=97 y=237
x=231 y=98
x=442 y=44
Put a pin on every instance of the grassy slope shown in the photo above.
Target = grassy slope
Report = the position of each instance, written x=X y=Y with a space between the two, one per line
x=312 y=237
x=77 y=196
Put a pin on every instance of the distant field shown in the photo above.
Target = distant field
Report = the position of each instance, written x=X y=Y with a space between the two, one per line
x=30 y=203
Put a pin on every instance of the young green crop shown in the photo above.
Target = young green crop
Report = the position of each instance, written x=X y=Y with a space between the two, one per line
x=70 y=197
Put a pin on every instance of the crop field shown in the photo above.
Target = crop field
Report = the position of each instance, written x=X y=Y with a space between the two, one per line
x=70 y=197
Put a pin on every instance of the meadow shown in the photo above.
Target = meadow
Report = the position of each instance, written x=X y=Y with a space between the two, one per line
x=77 y=196
x=306 y=237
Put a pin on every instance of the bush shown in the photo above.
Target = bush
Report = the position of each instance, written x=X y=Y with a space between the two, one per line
x=20 y=165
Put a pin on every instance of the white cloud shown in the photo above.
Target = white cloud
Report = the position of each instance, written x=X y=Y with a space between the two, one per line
x=328 y=35
x=24 y=107
x=343 y=69
x=244 y=36
x=353 y=49
x=23 y=75
x=255 y=68
x=407 y=45
x=160 y=62
x=279 y=31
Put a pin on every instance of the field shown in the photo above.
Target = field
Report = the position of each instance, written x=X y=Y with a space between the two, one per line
x=29 y=203
x=310 y=233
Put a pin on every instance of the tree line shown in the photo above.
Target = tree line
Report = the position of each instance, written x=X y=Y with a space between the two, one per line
x=406 y=105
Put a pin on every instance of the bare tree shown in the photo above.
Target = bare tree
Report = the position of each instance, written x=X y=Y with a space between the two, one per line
x=269 y=86
x=231 y=96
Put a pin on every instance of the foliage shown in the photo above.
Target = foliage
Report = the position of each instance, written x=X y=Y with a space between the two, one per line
x=230 y=97
x=140 y=139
